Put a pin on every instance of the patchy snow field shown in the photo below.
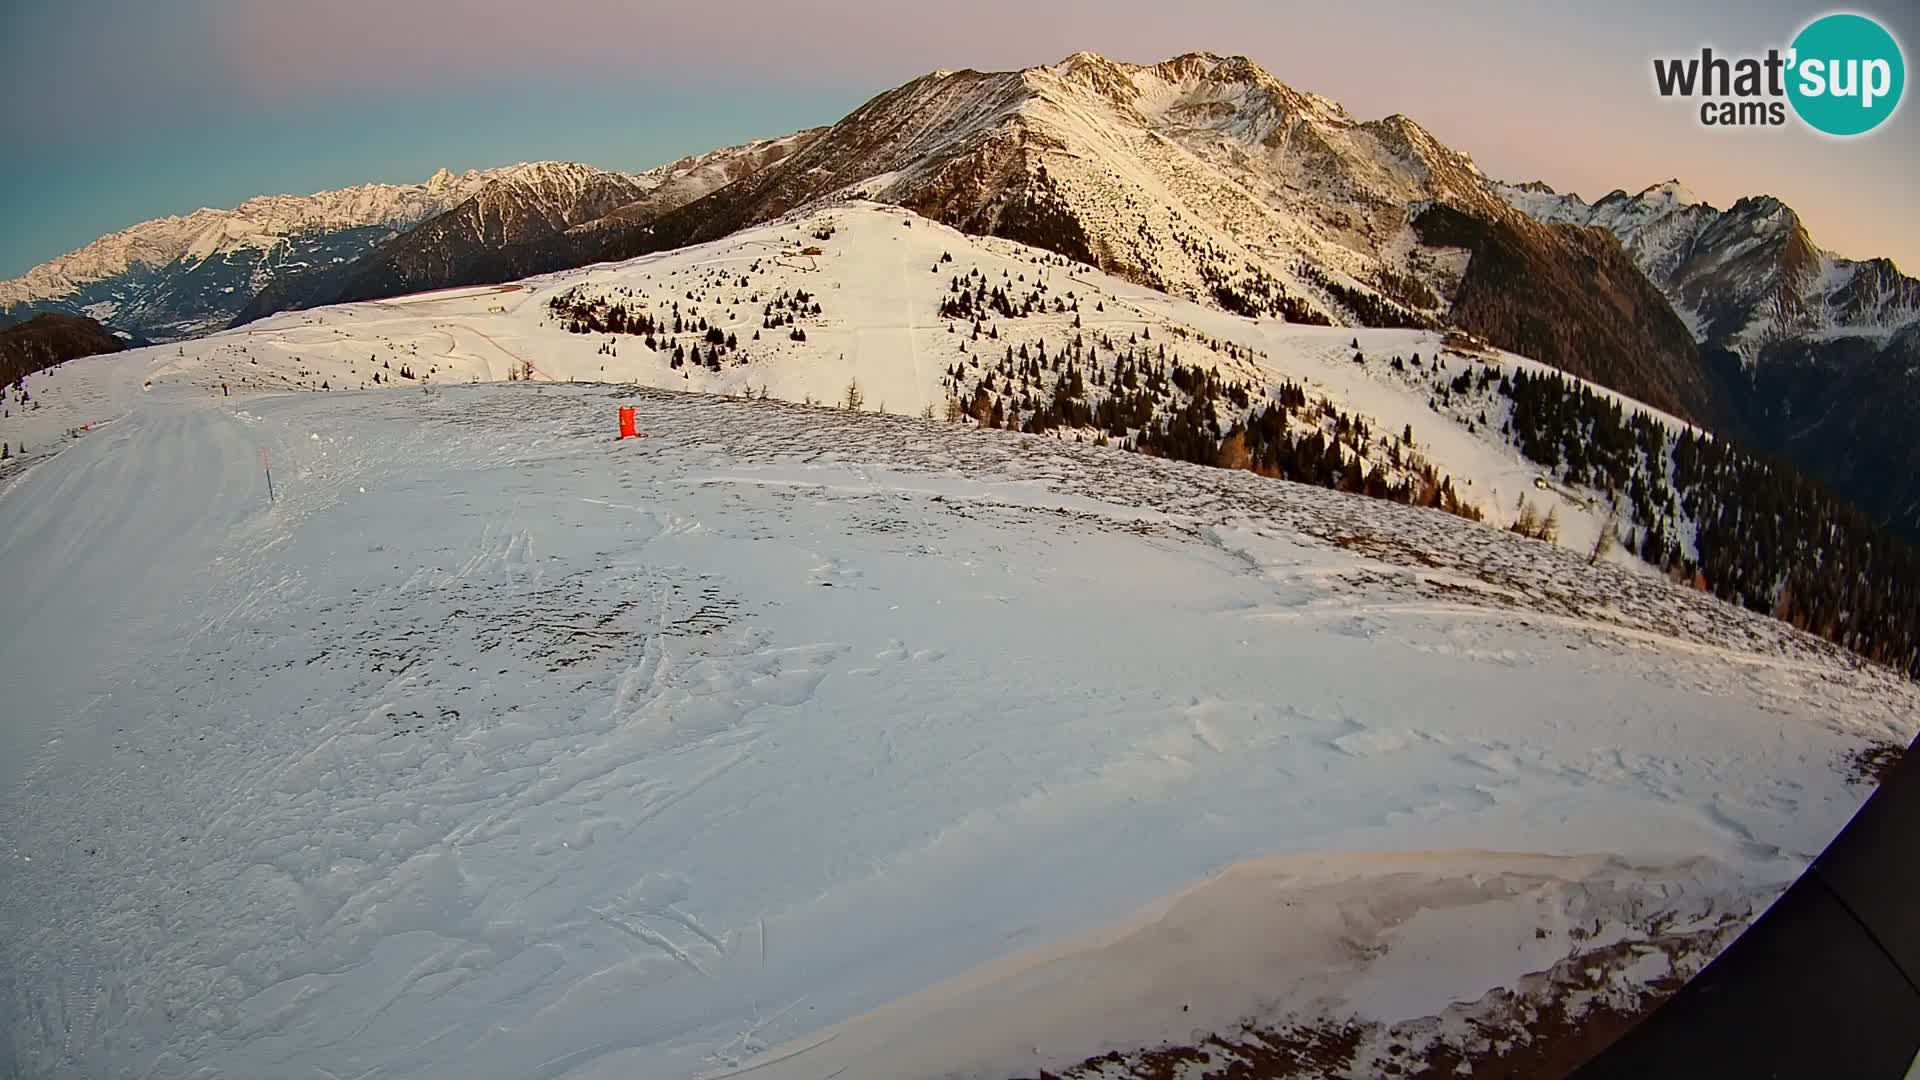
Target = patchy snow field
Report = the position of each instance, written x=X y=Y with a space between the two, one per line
x=496 y=747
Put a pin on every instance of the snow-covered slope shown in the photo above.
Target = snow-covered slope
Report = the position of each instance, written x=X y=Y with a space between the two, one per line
x=880 y=279
x=1206 y=178
x=1202 y=176
x=493 y=746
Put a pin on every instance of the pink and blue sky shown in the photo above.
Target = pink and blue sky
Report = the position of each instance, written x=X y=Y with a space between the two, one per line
x=122 y=110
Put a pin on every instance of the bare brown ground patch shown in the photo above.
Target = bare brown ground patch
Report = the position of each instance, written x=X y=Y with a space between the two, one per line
x=1873 y=763
x=1548 y=1025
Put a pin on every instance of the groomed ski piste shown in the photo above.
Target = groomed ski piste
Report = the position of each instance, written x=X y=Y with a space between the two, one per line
x=791 y=741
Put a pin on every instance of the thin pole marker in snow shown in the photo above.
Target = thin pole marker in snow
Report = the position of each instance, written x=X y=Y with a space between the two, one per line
x=269 y=471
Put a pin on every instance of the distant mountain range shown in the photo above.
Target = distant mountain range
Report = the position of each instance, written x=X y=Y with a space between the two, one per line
x=1202 y=176
x=510 y=227
x=188 y=275
x=1813 y=357
x=182 y=276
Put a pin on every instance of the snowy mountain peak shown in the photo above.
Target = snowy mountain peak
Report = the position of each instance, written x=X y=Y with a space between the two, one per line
x=562 y=191
x=1098 y=74
x=1670 y=192
x=1201 y=174
x=1196 y=88
x=550 y=172
x=1766 y=209
x=1745 y=276
x=1085 y=59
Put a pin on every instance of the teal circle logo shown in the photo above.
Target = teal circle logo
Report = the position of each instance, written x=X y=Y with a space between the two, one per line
x=1847 y=74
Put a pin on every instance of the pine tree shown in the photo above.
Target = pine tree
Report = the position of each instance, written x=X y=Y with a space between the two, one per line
x=1528 y=523
x=1604 y=542
x=1351 y=478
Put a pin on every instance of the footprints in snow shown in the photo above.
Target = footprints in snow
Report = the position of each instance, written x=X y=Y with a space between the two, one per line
x=1371 y=742
x=897 y=652
x=834 y=573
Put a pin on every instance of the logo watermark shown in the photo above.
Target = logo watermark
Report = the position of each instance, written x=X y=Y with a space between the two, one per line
x=1843 y=75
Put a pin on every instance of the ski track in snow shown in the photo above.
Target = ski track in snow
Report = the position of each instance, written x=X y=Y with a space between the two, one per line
x=495 y=746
